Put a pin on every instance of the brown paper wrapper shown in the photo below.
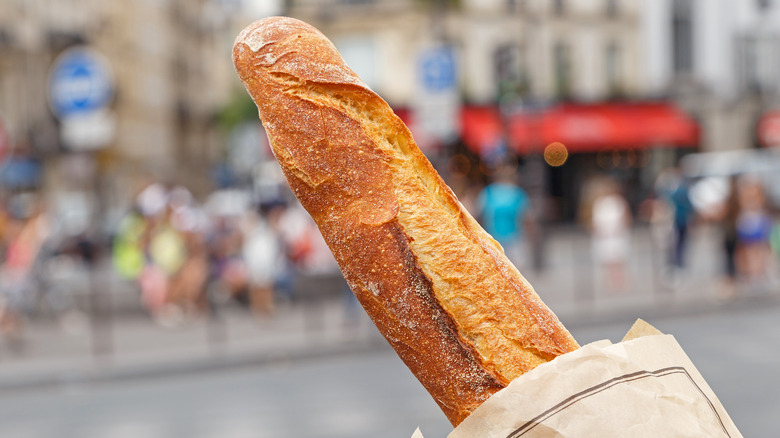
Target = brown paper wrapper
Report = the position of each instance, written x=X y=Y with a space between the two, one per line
x=644 y=386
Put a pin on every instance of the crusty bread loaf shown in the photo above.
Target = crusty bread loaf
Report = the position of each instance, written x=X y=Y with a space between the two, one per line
x=436 y=285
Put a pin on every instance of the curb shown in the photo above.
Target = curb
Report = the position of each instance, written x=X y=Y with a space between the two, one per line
x=674 y=308
x=109 y=373
x=369 y=343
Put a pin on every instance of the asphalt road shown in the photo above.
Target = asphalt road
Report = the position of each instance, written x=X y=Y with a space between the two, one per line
x=737 y=349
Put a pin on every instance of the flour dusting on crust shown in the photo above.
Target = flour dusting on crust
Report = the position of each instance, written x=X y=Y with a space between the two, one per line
x=257 y=37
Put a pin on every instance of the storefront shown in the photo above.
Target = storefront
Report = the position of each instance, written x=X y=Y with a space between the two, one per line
x=629 y=141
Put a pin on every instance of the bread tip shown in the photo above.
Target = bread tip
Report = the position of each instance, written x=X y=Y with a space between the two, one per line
x=264 y=31
x=252 y=35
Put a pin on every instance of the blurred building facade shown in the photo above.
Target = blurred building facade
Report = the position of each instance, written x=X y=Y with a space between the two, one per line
x=527 y=73
x=582 y=49
x=718 y=59
x=167 y=87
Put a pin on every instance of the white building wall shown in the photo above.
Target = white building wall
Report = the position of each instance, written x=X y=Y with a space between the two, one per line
x=716 y=26
x=713 y=31
x=396 y=71
x=477 y=62
x=656 y=45
x=587 y=64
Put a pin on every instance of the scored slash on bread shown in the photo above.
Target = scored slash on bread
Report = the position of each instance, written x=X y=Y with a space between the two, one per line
x=436 y=285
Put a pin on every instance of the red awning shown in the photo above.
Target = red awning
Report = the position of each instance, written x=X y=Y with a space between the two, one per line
x=584 y=127
x=481 y=127
x=768 y=129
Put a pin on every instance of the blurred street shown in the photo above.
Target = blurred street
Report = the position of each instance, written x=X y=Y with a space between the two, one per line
x=318 y=368
x=114 y=334
x=368 y=392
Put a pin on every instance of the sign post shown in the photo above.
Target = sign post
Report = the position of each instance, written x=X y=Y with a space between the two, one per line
x=80 y=92
x=81 y=88
x=436 y=110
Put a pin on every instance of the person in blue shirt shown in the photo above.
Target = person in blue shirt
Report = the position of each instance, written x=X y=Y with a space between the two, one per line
x=502 y=208
x=683 y=212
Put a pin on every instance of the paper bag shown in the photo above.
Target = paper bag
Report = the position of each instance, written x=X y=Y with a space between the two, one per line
x=644 y=386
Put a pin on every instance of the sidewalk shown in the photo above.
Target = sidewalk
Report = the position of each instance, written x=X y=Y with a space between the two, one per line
x=575 y=286
x=133 y=346
x=77 y=351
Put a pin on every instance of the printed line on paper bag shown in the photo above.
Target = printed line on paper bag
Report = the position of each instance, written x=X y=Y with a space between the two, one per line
x=596 y=389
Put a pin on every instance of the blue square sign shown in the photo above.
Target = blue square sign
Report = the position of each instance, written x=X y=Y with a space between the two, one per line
x=437 y=69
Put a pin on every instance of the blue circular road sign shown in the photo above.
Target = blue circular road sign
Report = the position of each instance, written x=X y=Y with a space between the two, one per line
x=80 y=82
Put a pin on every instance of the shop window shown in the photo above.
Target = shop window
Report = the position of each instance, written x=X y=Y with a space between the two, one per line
x=510 y=75
x=682 y=36
x=613 y=60
x=562 y=65
x=758 y=61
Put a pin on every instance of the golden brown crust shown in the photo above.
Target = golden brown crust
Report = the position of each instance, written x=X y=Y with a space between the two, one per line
x=437 y=286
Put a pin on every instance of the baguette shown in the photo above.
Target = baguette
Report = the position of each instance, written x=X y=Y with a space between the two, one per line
x=436 y=285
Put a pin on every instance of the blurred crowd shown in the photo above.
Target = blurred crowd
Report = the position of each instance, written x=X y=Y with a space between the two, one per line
x=185 y=257
x=750 y=227
x=737 y=206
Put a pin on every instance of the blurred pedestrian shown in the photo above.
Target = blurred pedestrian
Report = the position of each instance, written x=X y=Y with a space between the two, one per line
x=683 y=211
x=187 y=291
x=228 y=269
x=502 y=207
x=307 y=253
x=264 y=260
x=128 y=248
x=150 y=250
x=754 y=225
x=26 y=236
x=674 y=187
x=166 y=253
x=728 y=224
x=611 y=231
